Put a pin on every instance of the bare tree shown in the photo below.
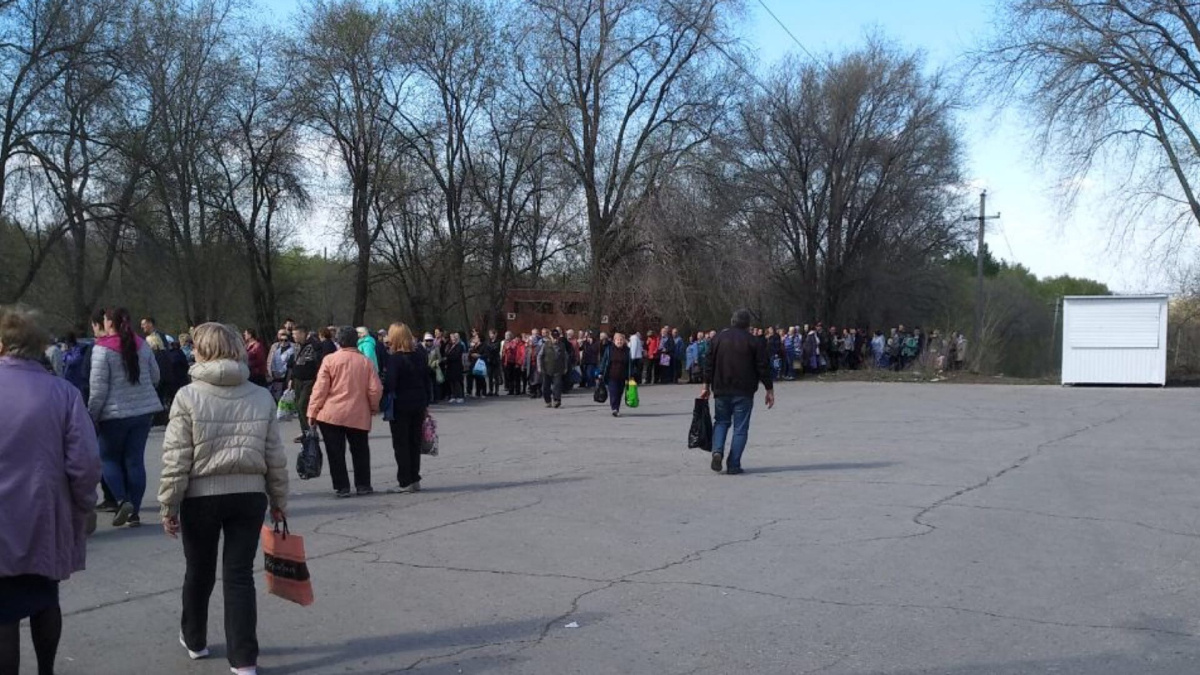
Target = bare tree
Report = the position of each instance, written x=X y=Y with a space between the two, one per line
x=629 y=86
x=259 y=162
x=409 y=245
x=92 y=182
x=183 y=63
x=846 y=168
x=452 y=47
x=352 y=82
x=42 y=44
x=1108 y=80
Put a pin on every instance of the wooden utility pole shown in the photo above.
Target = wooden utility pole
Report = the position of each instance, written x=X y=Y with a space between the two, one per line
x=977 y=329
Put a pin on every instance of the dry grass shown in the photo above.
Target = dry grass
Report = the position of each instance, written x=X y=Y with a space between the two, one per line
x=927 y=377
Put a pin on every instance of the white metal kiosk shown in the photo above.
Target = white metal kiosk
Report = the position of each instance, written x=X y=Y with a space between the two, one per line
x=1115 y=339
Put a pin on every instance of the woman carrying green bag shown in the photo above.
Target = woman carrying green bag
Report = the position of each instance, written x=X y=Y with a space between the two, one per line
x=616 y=367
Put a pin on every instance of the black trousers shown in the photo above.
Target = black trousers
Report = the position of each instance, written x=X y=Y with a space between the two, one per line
x=552 y=387
x=303 y=394
x=493 y=379
x=616 y=393
x=336 y=439
x=406 y=444
x=202 y=521
x=664 y=373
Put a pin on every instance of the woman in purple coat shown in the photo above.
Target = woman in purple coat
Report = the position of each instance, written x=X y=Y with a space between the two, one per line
x=49 y=468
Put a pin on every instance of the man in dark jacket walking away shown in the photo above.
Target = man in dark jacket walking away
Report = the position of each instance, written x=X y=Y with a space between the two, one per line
x=553 y=362
x=306 y=362
x=736 y=364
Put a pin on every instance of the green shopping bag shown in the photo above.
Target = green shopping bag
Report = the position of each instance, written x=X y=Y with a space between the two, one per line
x=631 y=394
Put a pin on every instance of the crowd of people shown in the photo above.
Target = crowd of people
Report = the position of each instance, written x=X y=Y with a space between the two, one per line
x=218 y=392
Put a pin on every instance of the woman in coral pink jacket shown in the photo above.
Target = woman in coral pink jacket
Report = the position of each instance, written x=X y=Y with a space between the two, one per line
x=344 y=398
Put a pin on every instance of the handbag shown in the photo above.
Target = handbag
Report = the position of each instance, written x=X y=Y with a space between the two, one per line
x=429 y=436
x=480 y=369
x=664 y=360
x=286 y=565
x=601 y=395
x=386 y=405
x=631 y=394
x=310 y=459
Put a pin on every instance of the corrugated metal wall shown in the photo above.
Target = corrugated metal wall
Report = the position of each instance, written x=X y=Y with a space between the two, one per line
x=1115 y=340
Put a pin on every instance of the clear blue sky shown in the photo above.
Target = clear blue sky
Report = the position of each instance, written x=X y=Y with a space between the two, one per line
x=1034 y=229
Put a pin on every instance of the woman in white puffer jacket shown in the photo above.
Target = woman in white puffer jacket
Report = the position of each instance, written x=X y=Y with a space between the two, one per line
x=223 y=464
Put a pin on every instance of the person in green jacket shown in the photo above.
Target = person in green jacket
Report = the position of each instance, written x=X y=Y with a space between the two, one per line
x=366 y=345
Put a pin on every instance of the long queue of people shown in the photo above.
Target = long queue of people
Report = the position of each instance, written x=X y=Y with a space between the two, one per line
x=224 y=466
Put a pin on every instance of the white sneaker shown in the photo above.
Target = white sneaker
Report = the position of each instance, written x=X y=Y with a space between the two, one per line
x=195 y=656
x=248 y=670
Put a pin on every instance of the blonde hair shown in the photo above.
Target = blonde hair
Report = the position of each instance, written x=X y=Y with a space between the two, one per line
x=155 y=342
x=21 y=335
x=400 y=338
x=214 y=342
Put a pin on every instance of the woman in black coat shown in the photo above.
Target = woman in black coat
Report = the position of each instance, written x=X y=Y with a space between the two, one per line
x=406 y=380
x=452 y=364
x=616 y=368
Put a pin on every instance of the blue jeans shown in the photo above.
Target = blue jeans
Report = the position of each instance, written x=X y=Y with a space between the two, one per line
x=123 y=457
x=735 y=411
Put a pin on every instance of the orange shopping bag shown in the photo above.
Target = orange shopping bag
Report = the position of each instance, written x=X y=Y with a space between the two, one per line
x=284 y=561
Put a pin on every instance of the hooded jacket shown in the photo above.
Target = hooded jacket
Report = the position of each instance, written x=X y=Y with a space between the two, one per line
x=49 y=468
x=222 y=438
x=113 y=396
x=347 y=392
x=366 y=345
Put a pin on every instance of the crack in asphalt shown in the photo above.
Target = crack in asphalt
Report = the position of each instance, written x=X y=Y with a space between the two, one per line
x=1092 y=519
x=602 y=585
x=348 y=549
x=1020 y=462
x=476 y=570
x=605 y=585
x=916 y=606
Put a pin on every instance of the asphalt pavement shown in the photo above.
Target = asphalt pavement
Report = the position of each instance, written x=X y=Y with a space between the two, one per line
x=879 y=528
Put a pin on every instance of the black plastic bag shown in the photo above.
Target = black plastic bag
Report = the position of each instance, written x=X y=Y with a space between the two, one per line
x=601 y=395
x=310 y=460
x=700 y=435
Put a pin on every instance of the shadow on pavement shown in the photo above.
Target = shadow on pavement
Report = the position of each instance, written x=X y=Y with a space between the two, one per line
x=834 y=466
x=326 y=658
x=502 y=485
x=325 y=504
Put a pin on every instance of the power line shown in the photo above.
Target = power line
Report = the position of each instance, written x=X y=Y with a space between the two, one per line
x=740 y=66
x=792 y=35
x=1004 y=234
